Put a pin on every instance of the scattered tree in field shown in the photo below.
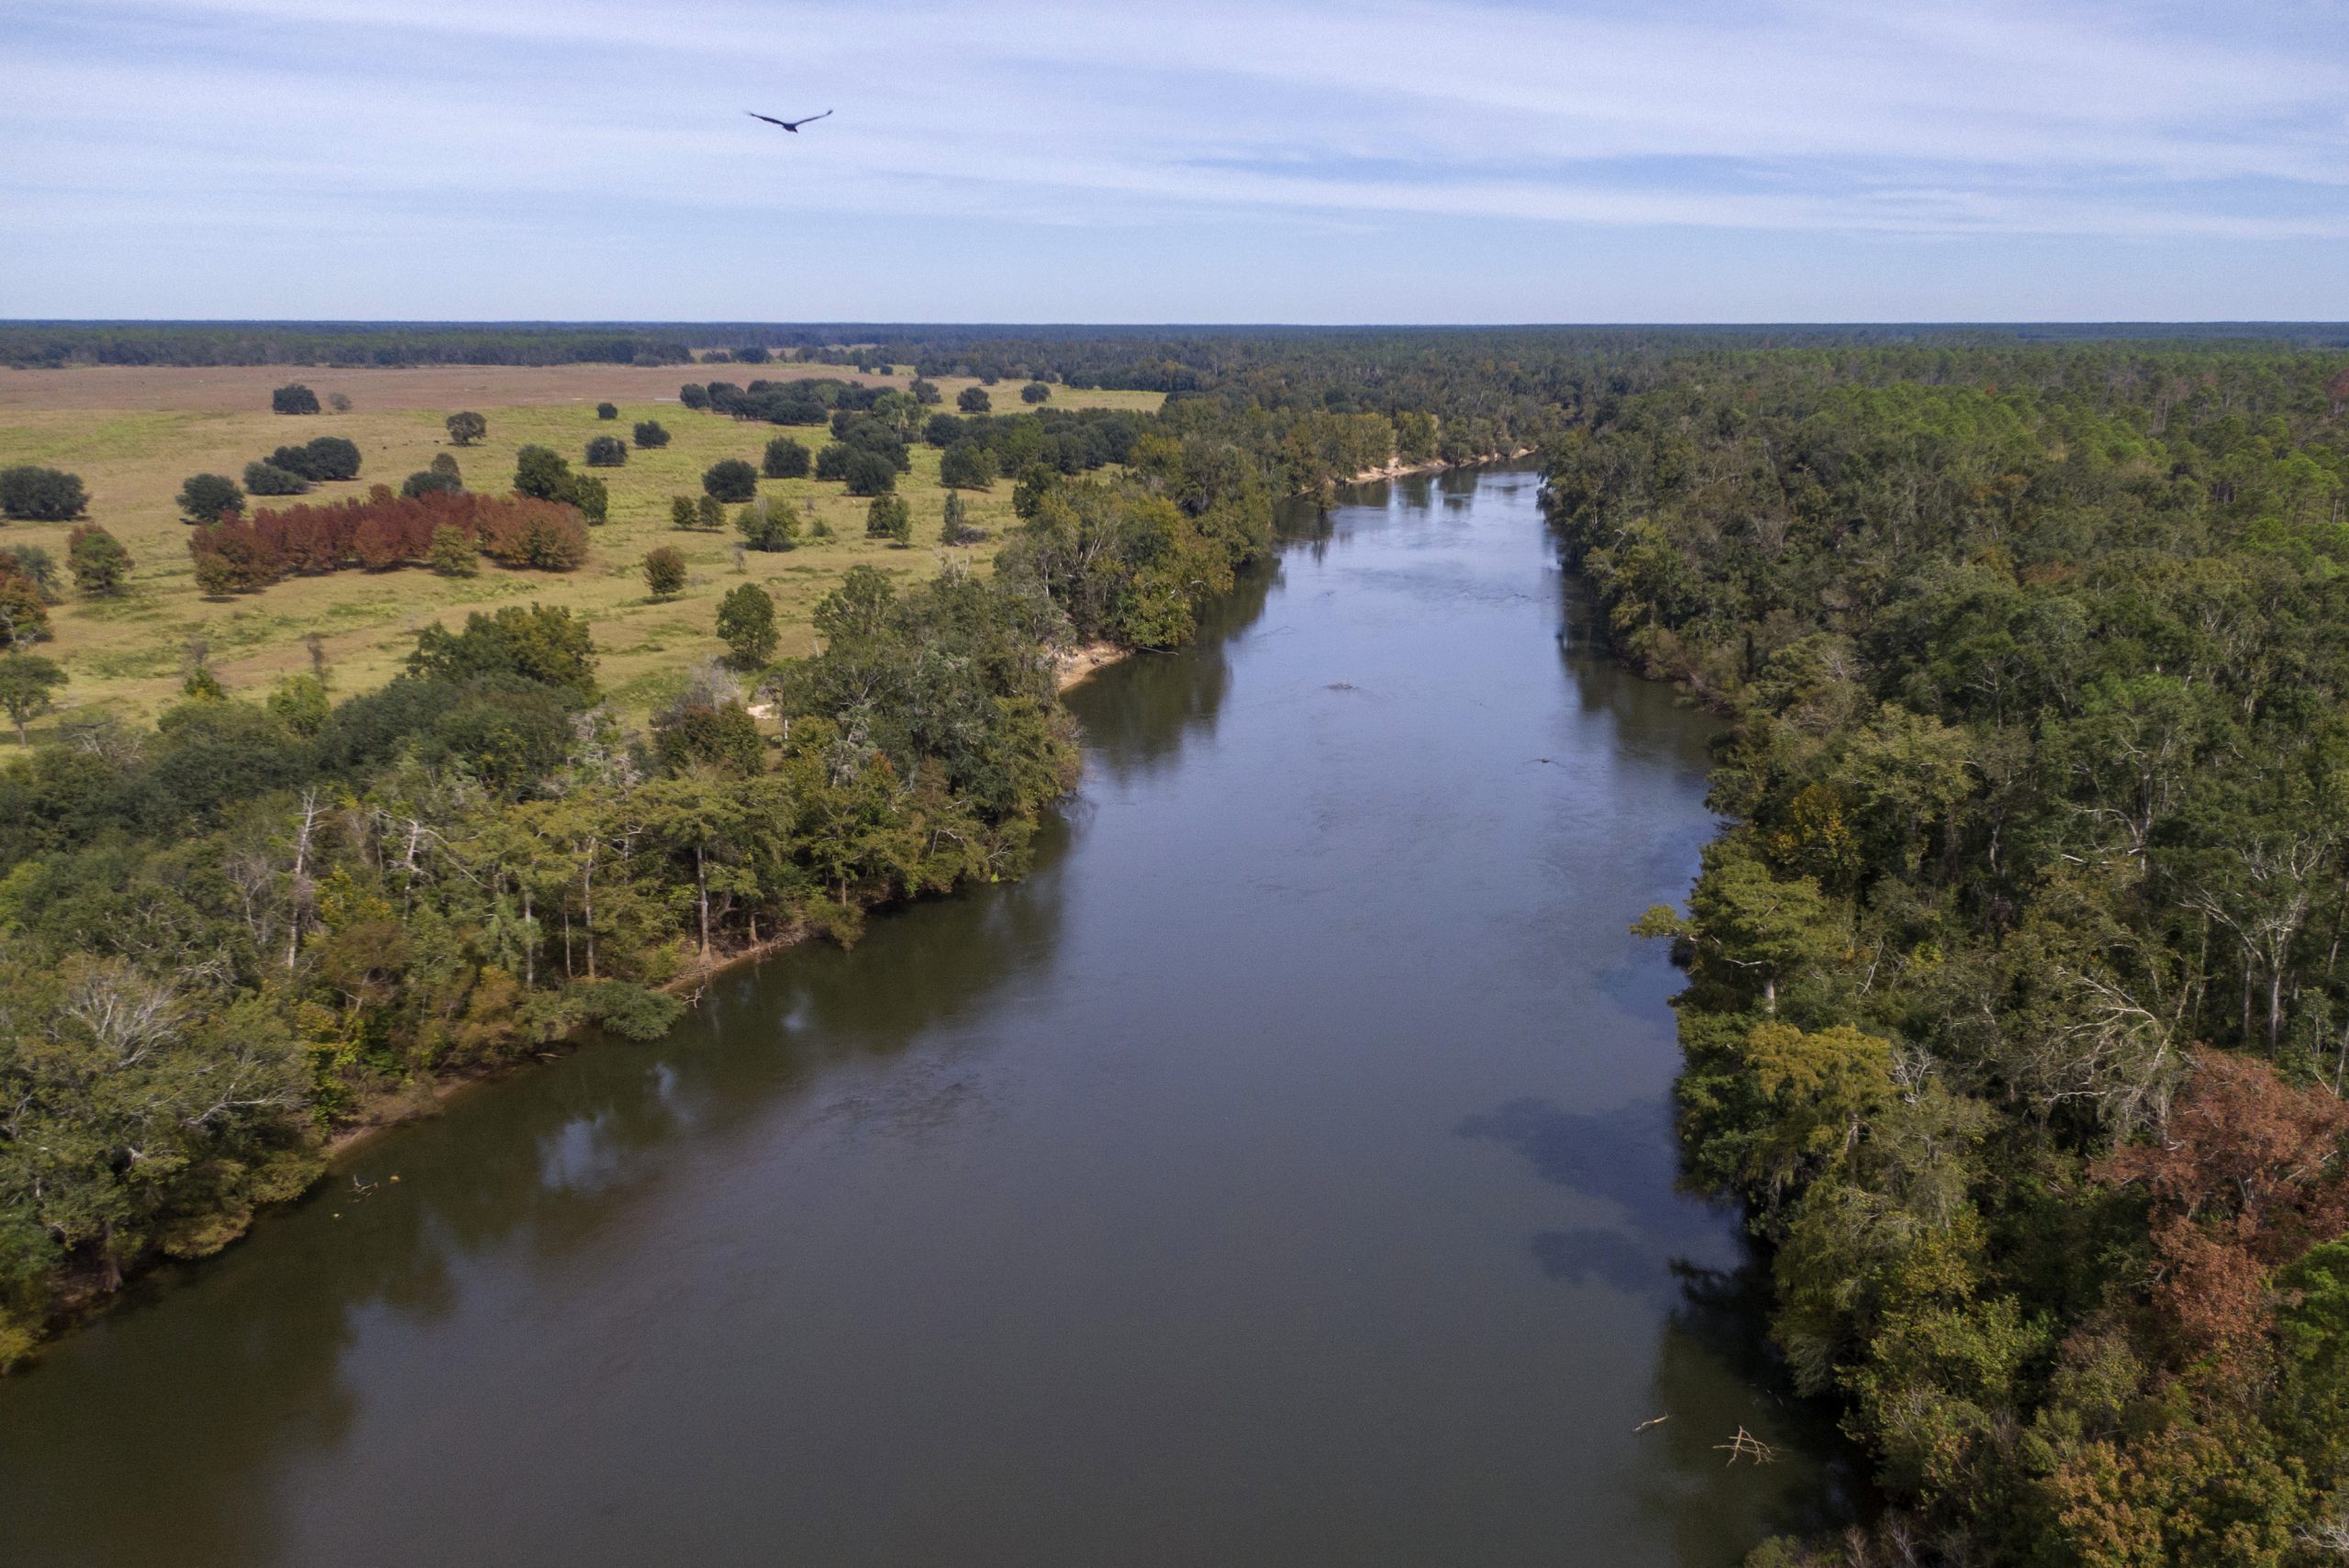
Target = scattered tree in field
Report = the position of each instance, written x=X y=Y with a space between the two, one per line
x=453 y=552
x=23 y=606
x=650 y=434
x=592 y=497
x=869 y=474
x=29 y=560
x=891 y=519
x=746 y=625
x=712 y=513
x=956 y=526
x=607 y=411
x=972 y=400
x=683 y=513
x=205 y=496
x=100 y=565
x=338 y=402
x=217 y=575
x=31 y=493
x=786 y=459
x=966 y=465
x=607 y=451
x=294 y=399
x=325 y=458
x=694 y=396
x=445 y=467
x=28 y=684
x=466 y=427
x=1035 y=392
x=424 y=481
x=541 y=473
x=769 y=523
x=730 y=479
x=664 y=572
x=268 y=479
x=925 y=391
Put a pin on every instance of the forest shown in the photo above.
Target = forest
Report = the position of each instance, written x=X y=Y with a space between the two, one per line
x=2016 y=1016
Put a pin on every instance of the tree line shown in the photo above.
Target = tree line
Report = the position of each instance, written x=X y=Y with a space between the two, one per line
x=2017 y=1015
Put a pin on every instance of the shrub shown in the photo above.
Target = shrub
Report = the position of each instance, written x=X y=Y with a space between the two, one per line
x=730 y=479
x=205 y=496
x=294 y=399
x=889 y=517
x=649 y=434
x=693 y=395
x=268 y=479
x=1035 y=392
x=425 y=481
x=664 y=572
x=607 y=451
x=607 y=411
x=746 y=625
x=683 y=513
x=466 y=427
x=327 y=458
x=966 y=466
x=446 y=466
x=338 y=402
x=972 y=400
x=769 y=524
x=41 y=494
x=956 y=529
x=869 y=474
x=100 y=565
x=785 y=459
x=711 y=511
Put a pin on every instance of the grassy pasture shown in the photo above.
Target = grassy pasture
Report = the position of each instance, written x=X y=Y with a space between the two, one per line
x=134 y=434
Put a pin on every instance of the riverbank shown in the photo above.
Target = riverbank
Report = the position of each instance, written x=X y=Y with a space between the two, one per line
x=1399 y=469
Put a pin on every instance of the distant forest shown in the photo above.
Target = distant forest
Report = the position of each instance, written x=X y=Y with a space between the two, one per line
x=2018 y=1014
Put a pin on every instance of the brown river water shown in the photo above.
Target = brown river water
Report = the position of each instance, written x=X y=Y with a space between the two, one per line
x=1281 y=1175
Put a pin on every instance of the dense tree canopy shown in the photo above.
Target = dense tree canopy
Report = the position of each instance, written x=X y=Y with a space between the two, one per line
x=31 y=493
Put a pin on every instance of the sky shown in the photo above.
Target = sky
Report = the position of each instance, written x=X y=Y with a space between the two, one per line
x=1203 y=160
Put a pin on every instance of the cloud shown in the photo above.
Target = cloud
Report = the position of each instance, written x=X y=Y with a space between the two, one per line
x=2138 y=125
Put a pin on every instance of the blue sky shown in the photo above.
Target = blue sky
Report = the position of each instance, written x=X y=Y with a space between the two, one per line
x=1267 y=161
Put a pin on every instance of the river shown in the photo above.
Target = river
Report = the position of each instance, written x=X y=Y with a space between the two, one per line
x=1281 y=1175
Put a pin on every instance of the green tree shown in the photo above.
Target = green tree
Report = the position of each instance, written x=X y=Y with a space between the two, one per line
x=730 y=480
x=966 y=465
x=294 y=399
x=1035 y=392
x=545 y=643
x=607 y=451
x=591 y=496
x=268 y=479
x=711 y=512
x=649 y=435
x=541 y=473
x=101 y=566
x=466 y=427
x=869 y=474
x=205 y=496
x=26 y=684
x=664 y=572
x=453 y=553
x=445 y=466
x=683 y=513
x=769 y=523
x=785 y=459
x=607 y=411
x=891 y=519
x=746 y=625
x=972 y=400
x=32 y=493
x=956 y=529
x=425 y=482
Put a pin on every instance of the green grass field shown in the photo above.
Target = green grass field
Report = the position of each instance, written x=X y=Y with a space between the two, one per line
x=127 y=656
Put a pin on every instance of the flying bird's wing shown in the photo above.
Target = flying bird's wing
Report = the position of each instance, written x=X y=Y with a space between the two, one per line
x=811 y=119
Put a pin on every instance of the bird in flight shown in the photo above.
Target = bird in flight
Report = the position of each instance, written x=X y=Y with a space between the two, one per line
x=792 y=126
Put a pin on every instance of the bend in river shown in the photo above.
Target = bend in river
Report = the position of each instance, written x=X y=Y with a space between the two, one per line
x=1282 y=1174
